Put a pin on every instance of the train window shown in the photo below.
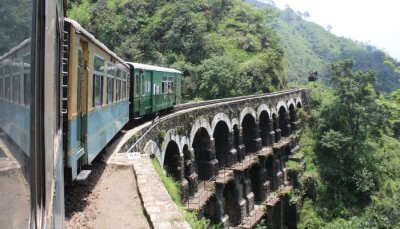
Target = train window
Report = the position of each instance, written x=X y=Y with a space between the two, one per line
x=27 y=78
x=98 y=64
x=143 y=84
x=119 y=73
x=16 y=89
x=124 y=90
x=170 y=87
x=137 y=85
x=118 y=90
x=7 y=91
x=1 y=88
x=97 y=90
x=98 y=81
x=110 y=90
x=110 y=69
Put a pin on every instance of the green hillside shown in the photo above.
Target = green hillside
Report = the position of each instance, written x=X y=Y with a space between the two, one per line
x=225 y=47
x=310 y=47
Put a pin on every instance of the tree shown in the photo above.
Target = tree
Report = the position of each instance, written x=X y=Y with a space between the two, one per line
x=354 y=118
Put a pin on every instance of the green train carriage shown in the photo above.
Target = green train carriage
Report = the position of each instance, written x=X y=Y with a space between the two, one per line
x=154 y=89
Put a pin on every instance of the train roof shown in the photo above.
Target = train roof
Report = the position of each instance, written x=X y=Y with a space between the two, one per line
x=92 y=38
x=153 y=68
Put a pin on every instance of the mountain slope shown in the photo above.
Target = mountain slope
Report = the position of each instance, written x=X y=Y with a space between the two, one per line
x=310 y=47
x=224 y=47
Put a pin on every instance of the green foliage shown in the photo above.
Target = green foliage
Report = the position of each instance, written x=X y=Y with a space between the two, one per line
x=224 y=47
x=15 y=23
x=170 y=184
x=346 y=126
x=352 y=155
x=310 y=47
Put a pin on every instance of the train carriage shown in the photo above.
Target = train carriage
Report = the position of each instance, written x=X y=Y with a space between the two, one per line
x=154 y=89
x=98 y=91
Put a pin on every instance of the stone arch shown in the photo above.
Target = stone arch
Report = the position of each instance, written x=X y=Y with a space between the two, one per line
x=275 y=127
x=204 y=154
x=249 y=132
x=284 y=122
x=281 y=104
x=184 y=141
x=245 y=111
x=234 y=122
x=151 y=147
x=291 y=102
x=173 y=163
x=199 y=123
x=188 y=159
x=221 y=135
x=292 y=113
x=299 y=102
x=171 y=135
x=265 y=125
x=261 y=108
x=221 y=117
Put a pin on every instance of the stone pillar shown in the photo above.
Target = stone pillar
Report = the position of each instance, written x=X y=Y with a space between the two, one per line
x=232 y=155
x=248 y=194
x=241 y=150
x=191 y=175
x=185 y=189
x=271 y=134
x=278 y=131
x=236 y=205
x=209 y=167
x=278 y=179
x=288 y=125
x=264 y=137
x=220 y=215
x=257 y=141
x=262 y=181
x=293 y=126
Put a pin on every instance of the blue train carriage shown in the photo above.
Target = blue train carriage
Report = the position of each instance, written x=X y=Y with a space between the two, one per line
x=98 y=103
x=15 y=98
x=154 y=89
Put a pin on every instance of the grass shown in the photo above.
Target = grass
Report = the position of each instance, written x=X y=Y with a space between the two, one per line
x=174 y=191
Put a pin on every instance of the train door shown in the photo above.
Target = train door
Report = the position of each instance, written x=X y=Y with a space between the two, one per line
x=82 y=98
x=79 y=93
x=152 y=91
x=178 y=87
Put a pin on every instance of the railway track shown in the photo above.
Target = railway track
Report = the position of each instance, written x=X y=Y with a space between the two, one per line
x=186 y=107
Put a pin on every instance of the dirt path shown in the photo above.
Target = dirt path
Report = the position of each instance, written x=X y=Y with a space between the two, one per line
x=108 y=199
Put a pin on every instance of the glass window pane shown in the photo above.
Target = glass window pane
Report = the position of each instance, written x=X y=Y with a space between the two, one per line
x=98 y=64
x=110 y=90
x=15 y=121
x=124 y=90
x=110 y=70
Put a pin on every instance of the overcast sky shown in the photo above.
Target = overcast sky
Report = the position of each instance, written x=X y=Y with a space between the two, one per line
x=376 y=22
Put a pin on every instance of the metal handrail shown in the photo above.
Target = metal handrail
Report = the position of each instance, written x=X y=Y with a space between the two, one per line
x=155 y=123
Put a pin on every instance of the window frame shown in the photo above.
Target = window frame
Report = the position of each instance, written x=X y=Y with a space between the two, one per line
x=100 y=75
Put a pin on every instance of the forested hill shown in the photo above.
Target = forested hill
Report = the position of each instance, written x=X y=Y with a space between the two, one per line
x=224 y=47
x=310 y=47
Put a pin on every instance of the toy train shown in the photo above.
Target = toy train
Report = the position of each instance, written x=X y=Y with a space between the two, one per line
x=104 y=92
x=63 y=96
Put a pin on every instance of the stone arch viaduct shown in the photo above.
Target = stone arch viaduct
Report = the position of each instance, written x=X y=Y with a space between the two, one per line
x=230 y=157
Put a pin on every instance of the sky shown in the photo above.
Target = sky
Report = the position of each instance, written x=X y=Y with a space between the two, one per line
x=375 y=22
